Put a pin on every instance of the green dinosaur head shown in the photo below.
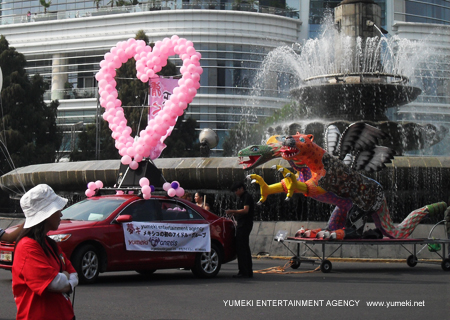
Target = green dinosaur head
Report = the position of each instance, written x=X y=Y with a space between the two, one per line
x=259 y=154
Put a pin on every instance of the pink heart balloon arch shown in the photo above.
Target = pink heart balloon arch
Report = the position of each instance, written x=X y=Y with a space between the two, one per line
x=148 y=62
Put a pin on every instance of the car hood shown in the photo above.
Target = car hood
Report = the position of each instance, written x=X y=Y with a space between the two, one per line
x=68 y=225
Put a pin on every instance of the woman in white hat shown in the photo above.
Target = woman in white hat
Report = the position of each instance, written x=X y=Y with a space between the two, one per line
x=42 y=276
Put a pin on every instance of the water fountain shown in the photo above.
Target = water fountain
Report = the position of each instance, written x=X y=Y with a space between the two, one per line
x=352 y=72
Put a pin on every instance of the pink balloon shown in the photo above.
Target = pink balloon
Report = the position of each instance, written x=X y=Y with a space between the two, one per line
x=179 y=192
x=144 y=78
x=146 y=196
x=166 y=186
x=134 y=165
x=156 y=60
x=189 y=83
x=122 y=151
x=150 y=73
x=159 y=120
x=174 y=99
x=148 y=139
x=195 y=57
x=192 y=68
x=181 y=96
x=126 y=159
x=166 y=118
x=139 y=149
x=165 y=126
x=144 y=182
x=179 y=112
x=156 y=50
x=161 y=130
x=171 y=192
x=146 y=189
x=99 y=184
x=155 y=137
x=187 y=62
x=192 y=92
x=130 y=151
x=89 y=193
x=99 y=76
x=183 y=105
x=119 y=192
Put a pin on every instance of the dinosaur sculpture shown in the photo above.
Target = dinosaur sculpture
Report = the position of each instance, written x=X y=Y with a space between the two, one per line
x=326 y=178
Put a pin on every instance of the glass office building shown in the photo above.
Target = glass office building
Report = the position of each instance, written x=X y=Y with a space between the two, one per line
x=429 y=21
x=66 y=41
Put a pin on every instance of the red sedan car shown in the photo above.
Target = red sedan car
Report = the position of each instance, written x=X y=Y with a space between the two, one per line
x=92 y=235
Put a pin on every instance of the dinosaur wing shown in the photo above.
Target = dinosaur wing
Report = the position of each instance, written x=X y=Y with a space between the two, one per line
x=373 y=160
x=358 y=137
x=332 y=135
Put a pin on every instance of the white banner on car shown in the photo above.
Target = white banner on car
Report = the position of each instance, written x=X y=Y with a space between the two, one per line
x=147 y=236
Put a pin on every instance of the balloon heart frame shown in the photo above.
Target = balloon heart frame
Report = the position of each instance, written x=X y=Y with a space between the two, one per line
x=148 y=62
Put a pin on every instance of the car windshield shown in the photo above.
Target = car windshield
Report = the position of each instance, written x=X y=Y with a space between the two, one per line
x=92 y=209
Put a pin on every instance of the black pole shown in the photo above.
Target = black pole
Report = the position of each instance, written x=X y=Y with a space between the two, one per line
x=97 y=124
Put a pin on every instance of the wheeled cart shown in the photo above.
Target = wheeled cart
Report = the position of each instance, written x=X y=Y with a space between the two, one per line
x=326 y=266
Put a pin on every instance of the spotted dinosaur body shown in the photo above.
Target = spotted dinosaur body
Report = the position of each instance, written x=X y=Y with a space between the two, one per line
x=326 y=178
x=329 y=174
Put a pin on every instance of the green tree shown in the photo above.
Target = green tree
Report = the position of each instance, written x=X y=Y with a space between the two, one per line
x=97 y=3
x=85 y=149
x=45 y=4
x=28 y=130
x=183 y=140
x=288 y=111
x=245 y=134
x=241 y=136
x=120 y=3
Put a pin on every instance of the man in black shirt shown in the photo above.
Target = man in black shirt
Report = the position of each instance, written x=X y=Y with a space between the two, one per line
x=244 y=219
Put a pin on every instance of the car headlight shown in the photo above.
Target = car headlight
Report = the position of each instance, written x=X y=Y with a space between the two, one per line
x=60 y=237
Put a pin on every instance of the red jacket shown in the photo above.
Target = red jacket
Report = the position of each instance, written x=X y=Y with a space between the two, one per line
x=32 y=272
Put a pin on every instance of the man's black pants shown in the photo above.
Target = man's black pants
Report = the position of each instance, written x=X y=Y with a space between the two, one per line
x=244 y=254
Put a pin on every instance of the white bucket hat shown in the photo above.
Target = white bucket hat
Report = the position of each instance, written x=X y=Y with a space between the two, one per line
x=39 y=203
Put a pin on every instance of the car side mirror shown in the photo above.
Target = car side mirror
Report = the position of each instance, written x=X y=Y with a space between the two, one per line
x=124 y=218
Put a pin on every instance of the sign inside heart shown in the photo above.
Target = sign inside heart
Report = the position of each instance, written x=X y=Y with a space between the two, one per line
x=148 y=62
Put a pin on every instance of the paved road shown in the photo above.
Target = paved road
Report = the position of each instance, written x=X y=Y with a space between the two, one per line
x=342 y=294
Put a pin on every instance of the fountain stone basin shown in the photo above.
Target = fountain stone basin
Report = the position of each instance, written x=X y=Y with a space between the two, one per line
x=355 y=101
x=409 y=183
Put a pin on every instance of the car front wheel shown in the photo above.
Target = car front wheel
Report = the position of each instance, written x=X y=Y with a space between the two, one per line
x=208 y=264
x=86 y=262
